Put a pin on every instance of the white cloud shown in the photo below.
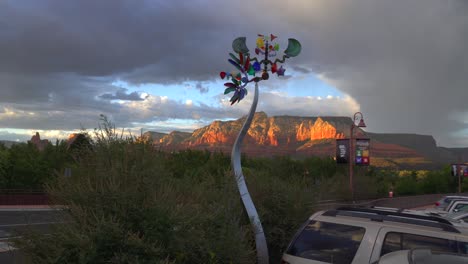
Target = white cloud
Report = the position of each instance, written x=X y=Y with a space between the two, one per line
x=274 y=103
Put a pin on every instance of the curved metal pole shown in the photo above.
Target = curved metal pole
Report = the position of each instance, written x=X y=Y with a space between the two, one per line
x=260 y=240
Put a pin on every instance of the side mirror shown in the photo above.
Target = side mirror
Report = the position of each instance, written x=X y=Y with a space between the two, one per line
x=456 y=210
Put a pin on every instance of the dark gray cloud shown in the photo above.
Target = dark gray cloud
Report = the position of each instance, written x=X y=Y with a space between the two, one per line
x=201 y=88
x=404 y=62
x=122 y=95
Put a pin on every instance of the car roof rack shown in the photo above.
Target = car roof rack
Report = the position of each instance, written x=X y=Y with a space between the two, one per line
x=407 y=211
x=391 y=209
x=459 y=199
x=382 y=215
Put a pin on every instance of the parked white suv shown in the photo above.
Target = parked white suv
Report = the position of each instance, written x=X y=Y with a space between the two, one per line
x=362 y=235
x=445 y=201
x=455 y=205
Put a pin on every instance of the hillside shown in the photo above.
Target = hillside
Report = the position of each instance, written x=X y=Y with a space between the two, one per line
x=309 y=136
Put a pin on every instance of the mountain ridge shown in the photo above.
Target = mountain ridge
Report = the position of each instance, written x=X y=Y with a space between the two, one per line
x=300 y=136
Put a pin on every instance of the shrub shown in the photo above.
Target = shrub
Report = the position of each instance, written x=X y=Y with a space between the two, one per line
x=128 y=203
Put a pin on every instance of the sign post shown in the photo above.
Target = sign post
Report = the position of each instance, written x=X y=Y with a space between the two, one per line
x=459 y=170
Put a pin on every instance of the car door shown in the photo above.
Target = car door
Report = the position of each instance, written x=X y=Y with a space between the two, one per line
x=392 y=239
x=462 y=244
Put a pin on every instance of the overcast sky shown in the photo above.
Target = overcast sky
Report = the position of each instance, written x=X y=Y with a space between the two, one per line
x=154 y=64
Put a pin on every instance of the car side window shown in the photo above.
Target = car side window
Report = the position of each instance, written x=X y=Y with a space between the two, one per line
x=391 y=243
x=401 y=241
x=462 y=207
x=411 y=241
x=327 y=242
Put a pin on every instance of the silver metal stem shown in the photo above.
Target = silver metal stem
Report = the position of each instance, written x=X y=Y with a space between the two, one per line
x=260 y=240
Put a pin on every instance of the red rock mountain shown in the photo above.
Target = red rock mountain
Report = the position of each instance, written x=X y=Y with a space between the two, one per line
x=267 y=131
x=302 y=137
x=38 y=142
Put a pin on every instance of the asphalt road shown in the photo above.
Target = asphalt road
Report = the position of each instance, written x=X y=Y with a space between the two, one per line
x=14 y=222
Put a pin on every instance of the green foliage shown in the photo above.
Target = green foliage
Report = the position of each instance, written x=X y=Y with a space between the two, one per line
x=407 y=185
x=28 y=167
x=129 y=203
x=436 y=182
x=464 y=185
x=23 y=166
x=424 y=182
x=4 y=164
x=284 y=197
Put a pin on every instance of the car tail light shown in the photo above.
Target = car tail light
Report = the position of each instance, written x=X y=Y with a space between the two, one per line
x=437 y=204
x=284 y=261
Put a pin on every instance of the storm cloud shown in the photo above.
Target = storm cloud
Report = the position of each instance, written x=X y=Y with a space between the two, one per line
x=402 y=63
x=122 y=95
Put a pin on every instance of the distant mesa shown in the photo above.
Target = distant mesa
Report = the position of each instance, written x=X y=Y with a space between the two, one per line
x=298 y=137
x=301 y=137
x=38 y=142
x=73 y=139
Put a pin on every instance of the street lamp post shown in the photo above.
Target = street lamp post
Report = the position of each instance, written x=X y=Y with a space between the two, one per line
x=352 y=157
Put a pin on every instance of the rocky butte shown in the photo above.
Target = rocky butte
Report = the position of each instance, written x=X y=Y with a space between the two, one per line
x=38 y=142
x=301 y=137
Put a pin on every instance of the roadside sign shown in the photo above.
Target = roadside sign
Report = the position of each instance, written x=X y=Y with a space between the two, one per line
x=362 y=151
x=459 y=170
x=342 y=151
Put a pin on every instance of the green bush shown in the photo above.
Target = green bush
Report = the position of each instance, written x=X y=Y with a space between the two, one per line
x=436 y=182
x=407 y=185
x=128 y=203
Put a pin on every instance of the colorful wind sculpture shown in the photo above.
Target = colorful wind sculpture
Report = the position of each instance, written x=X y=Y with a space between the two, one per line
x=251 y=66
x=247 y=68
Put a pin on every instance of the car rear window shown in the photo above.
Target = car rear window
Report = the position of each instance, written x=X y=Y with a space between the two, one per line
x=327 y=242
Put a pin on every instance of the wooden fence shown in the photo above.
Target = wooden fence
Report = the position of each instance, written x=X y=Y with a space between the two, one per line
x=23 y=197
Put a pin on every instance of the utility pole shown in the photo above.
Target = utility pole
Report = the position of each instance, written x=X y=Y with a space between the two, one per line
x=460 y=158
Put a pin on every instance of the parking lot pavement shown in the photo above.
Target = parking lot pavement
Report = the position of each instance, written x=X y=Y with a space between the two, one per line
x=424 y=207
x=12 y=257
x=15 y=220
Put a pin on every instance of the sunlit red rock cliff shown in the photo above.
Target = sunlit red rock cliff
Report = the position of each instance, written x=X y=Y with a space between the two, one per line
x=304 y=136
